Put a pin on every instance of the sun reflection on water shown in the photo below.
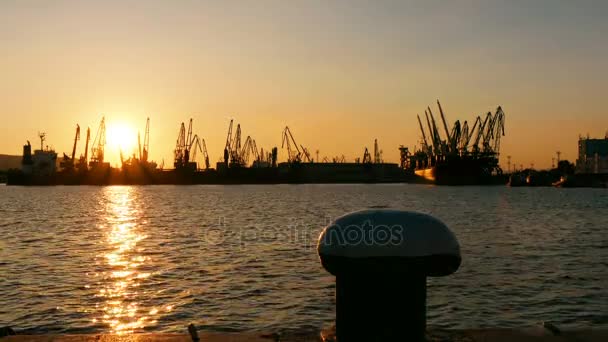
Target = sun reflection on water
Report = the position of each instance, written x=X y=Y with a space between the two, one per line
x=122 y=262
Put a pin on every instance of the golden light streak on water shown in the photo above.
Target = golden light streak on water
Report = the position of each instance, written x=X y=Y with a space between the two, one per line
x=121 y=309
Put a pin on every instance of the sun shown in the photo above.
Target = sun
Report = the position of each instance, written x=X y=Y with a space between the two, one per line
x=121 y=136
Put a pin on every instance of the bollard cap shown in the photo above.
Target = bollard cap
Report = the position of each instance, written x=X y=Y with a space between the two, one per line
x=389 y=241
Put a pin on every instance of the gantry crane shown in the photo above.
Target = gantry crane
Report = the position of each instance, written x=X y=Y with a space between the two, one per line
x=83 y=164
x=367 y=157
x=146 y=150
x=68 y=162
x=377 y=153
x=185 y=148
x=462 y=140
x=294 y=155
x=228 y=143
x=143 y=152
x=99 y=144
x=205 y=154
x=180 y=148
x=235 y=148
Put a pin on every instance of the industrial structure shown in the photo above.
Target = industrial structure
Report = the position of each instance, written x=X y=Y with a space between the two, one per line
x=238 y=154
x=98 y=151
x=464 y=155
x=592 y=156
x=462 y=152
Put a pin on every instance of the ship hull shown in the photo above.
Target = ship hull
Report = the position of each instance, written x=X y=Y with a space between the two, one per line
x=463 y=171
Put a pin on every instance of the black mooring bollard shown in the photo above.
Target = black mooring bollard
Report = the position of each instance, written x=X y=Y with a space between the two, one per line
x=381 y=259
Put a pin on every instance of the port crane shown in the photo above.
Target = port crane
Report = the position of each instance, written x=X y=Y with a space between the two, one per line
x=68 y=162
x=245 y=151
x=185 y=148
x=294 y=154
x=99 y=143
x=480 y=132
x=257 y=155
x=249 y=149
x=195 y=144
x=205 y=154
x=84 y=159
x=367 y=157
x=180 y=147
x=228 y=143
x=235 y=148
x=377 y=153
x=467 y=134
x=306 y=154
x=445 y=126
x=143 y=154
x=480 y=140
x=426 y=148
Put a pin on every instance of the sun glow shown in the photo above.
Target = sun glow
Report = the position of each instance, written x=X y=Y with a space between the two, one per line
x=121 y=136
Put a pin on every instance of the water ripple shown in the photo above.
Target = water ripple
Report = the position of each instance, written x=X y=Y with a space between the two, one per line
x=234 y=258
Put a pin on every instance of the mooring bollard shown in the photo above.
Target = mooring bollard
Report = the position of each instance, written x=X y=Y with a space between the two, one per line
x=381 y=259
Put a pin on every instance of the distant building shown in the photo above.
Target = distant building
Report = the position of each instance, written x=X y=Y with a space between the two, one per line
x=592 y=155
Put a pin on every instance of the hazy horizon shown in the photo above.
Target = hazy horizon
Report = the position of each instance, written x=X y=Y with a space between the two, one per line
x=339 y=74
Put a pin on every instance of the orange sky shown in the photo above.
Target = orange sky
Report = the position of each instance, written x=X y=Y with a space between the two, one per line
x=339 y=74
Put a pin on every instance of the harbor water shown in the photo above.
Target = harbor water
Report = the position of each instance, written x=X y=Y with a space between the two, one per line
x=243 y=258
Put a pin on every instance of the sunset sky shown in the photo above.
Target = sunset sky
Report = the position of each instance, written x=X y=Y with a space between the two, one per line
x=338 y=73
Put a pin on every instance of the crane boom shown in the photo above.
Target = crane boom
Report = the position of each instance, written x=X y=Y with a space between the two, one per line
x=86 y=148
x=445 y=126
x=235 y=147
x=205 y=154
x=426 y=145
x=470 y=134
x=480 y=132
x=189 y=140
x=146 y=150
x=433 y=140
x=288 y=139
x=99 y=143
x=76 y=138
x=178 y=153
x=436 y=135
x=228 y=142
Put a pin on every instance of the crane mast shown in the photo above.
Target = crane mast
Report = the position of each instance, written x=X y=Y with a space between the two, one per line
x=426 y=145
x=84 y=159
x=205 y=155
x=377 y=152
x=179 y=147
x=445 y=126
x=432 y=136
x=293 y=151
x=228 y=142
x=146 y=149
x=99 y=144
x=76 y=138
x=235 y=147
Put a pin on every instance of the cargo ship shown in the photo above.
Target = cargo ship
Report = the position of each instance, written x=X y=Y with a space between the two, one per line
x=465 y=156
